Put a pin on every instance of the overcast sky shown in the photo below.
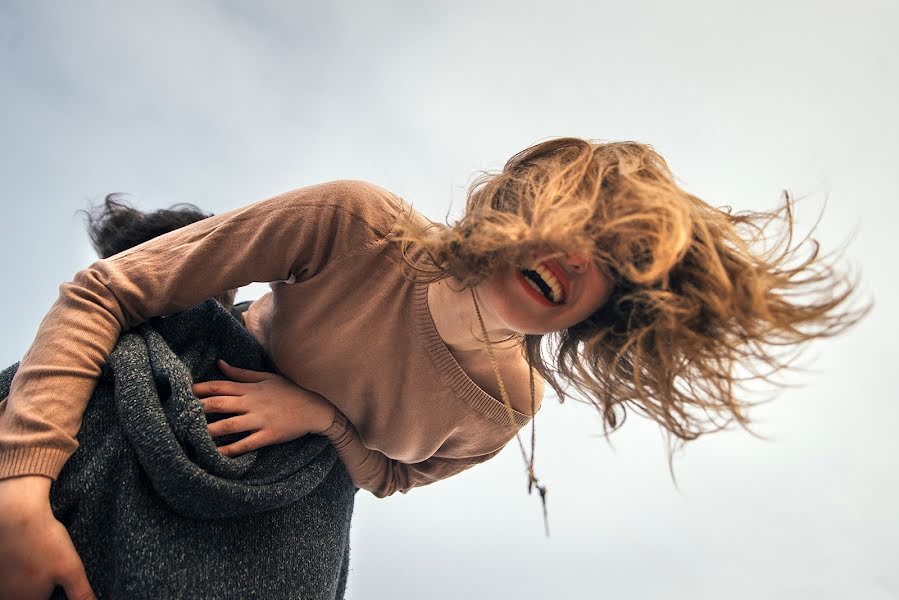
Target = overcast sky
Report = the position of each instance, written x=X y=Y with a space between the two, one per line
x=225 y=103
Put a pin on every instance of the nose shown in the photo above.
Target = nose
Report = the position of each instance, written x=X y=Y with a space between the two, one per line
x=575 y=261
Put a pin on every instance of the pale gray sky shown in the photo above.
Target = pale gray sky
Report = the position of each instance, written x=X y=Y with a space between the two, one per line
x=224 y=103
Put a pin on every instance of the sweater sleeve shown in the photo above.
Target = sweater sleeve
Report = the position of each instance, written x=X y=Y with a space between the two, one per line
x=298 y=233
x=382 y=476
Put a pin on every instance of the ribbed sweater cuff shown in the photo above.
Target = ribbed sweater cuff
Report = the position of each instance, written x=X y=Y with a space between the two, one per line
x=15 y=462
x=337 y=430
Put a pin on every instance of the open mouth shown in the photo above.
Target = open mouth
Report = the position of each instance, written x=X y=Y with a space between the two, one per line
x=545 y=282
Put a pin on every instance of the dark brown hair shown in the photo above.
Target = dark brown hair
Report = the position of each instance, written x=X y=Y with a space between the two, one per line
x=114 y=226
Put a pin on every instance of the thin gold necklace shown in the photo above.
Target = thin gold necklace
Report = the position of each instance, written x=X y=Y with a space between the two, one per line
x=532 y=479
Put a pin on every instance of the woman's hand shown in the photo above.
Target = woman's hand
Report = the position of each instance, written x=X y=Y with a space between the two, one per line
x=274 y=408
x=36 y=552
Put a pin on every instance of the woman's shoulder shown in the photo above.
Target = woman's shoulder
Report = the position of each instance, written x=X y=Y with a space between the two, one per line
x=358 y=197
x=352 y=208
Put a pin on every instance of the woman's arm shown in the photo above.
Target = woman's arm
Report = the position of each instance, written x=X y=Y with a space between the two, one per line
x=273 y=409
x=298 y=233
x=382 y=476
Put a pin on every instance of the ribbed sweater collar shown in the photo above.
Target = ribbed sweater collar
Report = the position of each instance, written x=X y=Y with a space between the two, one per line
x=452 y=373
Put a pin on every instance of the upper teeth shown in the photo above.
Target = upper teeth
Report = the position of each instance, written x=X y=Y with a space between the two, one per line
x=551 y=281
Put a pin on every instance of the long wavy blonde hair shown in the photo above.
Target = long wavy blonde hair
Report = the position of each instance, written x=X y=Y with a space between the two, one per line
x=706 y=299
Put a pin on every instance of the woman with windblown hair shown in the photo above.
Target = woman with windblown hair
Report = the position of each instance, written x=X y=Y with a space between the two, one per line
x=418 y=349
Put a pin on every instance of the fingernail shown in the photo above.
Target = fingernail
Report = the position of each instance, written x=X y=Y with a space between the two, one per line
x=222 y=360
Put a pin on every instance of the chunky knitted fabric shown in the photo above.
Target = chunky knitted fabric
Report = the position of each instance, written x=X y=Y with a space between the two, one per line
x=156 y=512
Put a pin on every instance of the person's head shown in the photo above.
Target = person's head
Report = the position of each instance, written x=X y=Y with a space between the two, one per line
x=685 y=295
x=114 y=226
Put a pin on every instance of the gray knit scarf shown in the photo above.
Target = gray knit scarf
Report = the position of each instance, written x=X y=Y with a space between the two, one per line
x=156 y=512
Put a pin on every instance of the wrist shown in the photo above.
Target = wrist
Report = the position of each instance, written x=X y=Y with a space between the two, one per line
x=328 y=418
x=25 y=493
